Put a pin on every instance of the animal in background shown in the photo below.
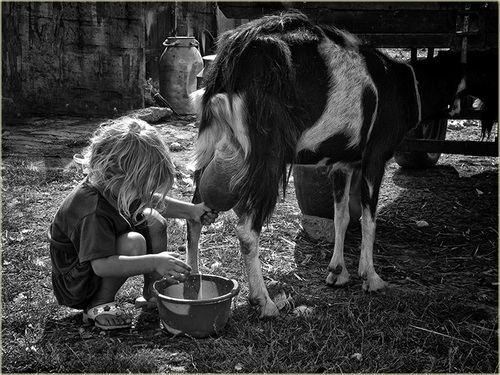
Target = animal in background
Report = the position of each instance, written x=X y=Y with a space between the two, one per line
x=285 y=90
x=482 y=82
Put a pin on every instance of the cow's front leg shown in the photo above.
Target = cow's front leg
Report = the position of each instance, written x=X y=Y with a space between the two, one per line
x=338 y=275
x=249 y=243
x=372 y=282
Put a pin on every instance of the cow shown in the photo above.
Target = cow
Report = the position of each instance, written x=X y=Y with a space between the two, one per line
x=283 y=90
x=482 y=83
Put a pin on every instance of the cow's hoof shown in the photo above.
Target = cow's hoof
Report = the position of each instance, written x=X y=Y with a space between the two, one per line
x=338 y=279
x=375 y=284
x=269 y=310
x=266 y=307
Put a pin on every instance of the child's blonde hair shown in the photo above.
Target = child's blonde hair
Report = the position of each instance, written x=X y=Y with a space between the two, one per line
x=130 y=162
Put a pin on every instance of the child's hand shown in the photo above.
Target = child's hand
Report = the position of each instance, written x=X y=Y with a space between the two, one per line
x=171 y=267
x=204 y=214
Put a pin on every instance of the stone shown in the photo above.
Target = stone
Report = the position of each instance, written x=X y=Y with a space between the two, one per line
x=319 y=228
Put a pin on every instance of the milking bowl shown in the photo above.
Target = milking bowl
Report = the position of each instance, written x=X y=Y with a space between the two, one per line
x=198 y=307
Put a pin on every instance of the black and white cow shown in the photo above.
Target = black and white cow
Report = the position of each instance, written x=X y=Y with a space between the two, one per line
x=284 y=90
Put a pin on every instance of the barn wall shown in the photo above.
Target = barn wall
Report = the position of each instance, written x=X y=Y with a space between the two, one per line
x=224 y=24
x=159 y=21
x=90 y=58
x=197 y=19
x=72 y=58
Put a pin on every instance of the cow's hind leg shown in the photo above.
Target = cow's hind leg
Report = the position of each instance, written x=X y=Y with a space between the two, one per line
x=338 y=275
x=370 y=188
x=249 y=242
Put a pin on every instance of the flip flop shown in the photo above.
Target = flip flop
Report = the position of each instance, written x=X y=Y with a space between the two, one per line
x=105 y=309
x=143 y=303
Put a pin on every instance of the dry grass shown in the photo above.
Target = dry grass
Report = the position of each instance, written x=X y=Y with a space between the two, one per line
x=438 y=316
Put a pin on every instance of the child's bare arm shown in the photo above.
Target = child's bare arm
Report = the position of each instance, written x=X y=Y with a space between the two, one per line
x=164 y=263
x=174 y=208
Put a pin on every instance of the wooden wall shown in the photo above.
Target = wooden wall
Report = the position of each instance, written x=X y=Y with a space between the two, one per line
x=72 y=58
x=89 y=58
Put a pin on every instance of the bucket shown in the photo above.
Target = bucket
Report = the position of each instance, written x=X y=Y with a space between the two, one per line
x=314 y=191
x=180 y=63
x=198 y=307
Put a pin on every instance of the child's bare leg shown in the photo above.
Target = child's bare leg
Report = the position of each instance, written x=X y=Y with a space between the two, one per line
x=131 y=243
x=157 y=226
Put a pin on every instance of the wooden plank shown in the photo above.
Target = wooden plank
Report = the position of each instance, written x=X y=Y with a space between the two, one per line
x=375 y=22
x=379 y=6
x=423 y=40
x=249 y=9
x=252 y=9
x=449 y=147
x=391 y=24
x=405 y=40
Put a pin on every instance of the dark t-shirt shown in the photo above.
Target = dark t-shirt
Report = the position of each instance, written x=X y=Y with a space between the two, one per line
x=85 y=227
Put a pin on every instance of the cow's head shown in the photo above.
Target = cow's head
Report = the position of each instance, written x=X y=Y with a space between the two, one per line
x=441 y=83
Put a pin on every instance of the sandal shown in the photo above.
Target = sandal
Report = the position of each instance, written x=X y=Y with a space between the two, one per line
x=143 y=303
x=105 y=309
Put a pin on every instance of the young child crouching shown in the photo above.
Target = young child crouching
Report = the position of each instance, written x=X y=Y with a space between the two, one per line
x=112 y=225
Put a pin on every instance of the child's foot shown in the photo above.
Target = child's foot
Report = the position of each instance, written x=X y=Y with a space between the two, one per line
x=146 y=304
x=108 y=316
